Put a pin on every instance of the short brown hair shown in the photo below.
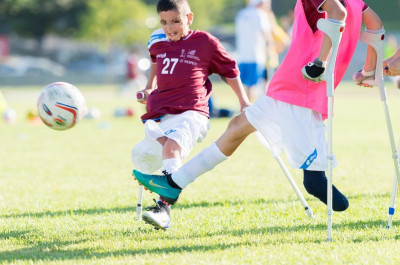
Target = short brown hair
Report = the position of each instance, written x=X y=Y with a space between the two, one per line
x=177 y=5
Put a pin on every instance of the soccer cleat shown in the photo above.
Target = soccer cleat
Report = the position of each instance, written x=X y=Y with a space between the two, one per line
x=158 y=216
x=160 y=185
x=360 y=77
x=313 y=72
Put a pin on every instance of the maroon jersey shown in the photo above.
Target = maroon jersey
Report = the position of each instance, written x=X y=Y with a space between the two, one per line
x=183 y=68
x=313 y=11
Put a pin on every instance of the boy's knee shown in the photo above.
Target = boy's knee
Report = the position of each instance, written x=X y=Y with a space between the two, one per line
x=235 y=124
x=240 y=126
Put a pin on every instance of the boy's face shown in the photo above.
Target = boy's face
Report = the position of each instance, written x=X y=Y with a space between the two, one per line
x=175 y=24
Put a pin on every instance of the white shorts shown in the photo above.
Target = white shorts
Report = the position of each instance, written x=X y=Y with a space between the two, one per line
x=186 y=129
x=299 y=131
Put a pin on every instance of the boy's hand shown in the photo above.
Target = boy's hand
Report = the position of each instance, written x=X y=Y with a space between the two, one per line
x=360 y=79
x=142 y=95
x=389 y=71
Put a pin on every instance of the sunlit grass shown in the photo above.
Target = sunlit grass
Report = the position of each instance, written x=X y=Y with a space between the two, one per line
x=69 y=198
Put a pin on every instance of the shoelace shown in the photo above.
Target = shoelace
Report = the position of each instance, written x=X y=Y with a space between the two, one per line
x=156 y=208
x=165 y=173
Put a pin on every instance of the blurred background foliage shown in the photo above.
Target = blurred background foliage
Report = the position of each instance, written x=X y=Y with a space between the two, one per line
x=126 y=22
x=90 y=41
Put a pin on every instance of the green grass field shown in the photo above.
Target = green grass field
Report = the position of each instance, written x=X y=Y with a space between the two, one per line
x=69 y=197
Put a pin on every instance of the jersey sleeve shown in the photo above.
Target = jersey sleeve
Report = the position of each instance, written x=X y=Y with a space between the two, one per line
x=221 y=62
x=157 y=36
x=317 y=4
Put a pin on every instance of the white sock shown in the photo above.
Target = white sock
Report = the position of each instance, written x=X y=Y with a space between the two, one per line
x=198 y=165
x=171 y=165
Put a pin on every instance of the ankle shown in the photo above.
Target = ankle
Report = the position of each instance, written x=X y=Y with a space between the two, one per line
x=172 y=183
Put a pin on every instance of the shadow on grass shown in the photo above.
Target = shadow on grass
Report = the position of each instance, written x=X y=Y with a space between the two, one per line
x=44 y=252
x=98 y=211
x=183 y=205
x=52 y=251
x=306 y=228
x=12 y=234
x=71 y=212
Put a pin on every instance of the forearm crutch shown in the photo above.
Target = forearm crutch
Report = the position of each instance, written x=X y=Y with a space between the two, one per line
x=275 y=155
x=375 y=40
x=139 y=204
x=334 y=31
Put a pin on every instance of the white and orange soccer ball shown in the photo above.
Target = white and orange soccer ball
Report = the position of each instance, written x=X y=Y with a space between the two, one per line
x=61 y=105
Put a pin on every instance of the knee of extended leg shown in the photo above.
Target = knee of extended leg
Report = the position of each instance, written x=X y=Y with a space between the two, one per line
x=234 y=124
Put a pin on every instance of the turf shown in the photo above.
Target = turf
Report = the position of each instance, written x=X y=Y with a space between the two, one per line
x=69 y=198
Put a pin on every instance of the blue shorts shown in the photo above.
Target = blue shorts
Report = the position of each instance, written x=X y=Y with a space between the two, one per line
x=250 y=73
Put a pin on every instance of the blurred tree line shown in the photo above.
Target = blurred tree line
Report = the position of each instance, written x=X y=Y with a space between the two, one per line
x=132 y=21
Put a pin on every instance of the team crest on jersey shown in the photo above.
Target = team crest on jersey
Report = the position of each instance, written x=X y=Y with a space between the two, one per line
x=183 y=53
x=191 y=55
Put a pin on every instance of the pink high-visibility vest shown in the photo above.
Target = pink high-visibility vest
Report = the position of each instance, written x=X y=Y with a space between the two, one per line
x=288 y=84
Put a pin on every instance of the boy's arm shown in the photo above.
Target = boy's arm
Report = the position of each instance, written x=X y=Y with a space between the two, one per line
x=237 y=87
x=372 y=23
x=150 y=85
x=371 y=20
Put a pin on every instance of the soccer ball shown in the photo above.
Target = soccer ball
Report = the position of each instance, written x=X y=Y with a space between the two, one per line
x=61 y=105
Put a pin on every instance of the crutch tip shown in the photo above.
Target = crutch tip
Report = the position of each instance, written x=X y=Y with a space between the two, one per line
x=388 y=226
x=309 y=212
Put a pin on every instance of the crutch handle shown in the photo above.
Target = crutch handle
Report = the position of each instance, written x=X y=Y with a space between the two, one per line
x=334 y=31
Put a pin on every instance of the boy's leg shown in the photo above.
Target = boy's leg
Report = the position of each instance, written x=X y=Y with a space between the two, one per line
x=238 y=129
x=170 y=186
x=315 y=183
x=159 y=215
x=182 y=133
